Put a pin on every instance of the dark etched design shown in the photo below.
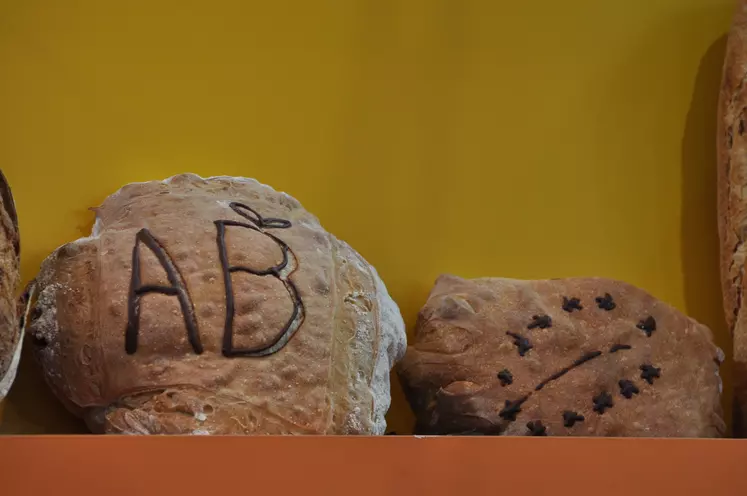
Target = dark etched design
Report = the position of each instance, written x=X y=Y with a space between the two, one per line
x=606 y=302
x=261 y=222
x=505 y=377
x=627 y=388
x=648 y=326
x=649 y=373
x=521 y=343
x=512 y=408
x=281 y=271
x=557 y=375
x=177 y=288
x=620 y=347
x=571 y=304
x=536 y=428
x=741 y=127
x=570 y=418
x=541 y=321
x=602 y=402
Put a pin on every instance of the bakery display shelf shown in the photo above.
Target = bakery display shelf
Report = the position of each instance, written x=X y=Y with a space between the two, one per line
x=372 y=465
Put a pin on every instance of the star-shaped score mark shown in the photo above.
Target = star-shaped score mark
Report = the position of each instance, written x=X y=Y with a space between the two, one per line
x=571 y=304
x=521 y=343
x=512 y=408
x=570 y=418
x=649 y=373
x=506 y=377
x=648 y=326
x=606 y=302
x=627 y=388
x=541 y=321
x=536 y=428
x=602 y=402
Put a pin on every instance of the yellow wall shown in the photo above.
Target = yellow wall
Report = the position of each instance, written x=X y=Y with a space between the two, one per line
x=507 y=138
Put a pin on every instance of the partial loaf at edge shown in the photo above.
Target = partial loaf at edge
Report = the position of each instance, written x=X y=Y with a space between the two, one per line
x=732 y=203
x=11 y=336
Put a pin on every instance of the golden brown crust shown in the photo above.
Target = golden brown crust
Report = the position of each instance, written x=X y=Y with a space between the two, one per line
x=325 y=378
x=731 y=164
x=10 y=332
x=466 y=361
x=732 y=199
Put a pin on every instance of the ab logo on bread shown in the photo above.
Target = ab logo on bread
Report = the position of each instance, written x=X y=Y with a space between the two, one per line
x=178 y=289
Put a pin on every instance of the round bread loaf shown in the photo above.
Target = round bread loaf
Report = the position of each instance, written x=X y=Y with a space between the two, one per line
x=214 y=306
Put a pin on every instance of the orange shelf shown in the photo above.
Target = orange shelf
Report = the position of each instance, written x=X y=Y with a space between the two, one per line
x=360 y=466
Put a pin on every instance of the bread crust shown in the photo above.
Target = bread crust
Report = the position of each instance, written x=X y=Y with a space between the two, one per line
x=581 y=356
x=732 y=201
x=11 y=335
x=330 y=376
